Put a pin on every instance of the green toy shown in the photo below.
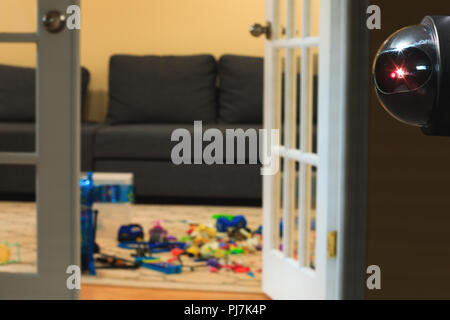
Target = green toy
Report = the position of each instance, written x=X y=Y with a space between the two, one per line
x=237 y=251
x=226 y=216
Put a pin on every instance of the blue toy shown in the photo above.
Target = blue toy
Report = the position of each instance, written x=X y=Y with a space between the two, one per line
x=163 y=267
x=224 y=222
x=153 y=247
x=89 y=194
x=131 y=232
x=87 y=224
x=259 y=230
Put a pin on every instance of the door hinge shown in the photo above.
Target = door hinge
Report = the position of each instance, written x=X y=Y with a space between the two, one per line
x=332 y=244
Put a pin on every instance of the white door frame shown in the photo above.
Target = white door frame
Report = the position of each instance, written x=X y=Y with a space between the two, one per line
x=56 y=159
x=336 y=207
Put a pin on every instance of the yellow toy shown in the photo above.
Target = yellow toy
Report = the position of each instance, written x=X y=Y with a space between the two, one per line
x=193 y=251
x=202 y=234
x=219 y=254
x=5 y=253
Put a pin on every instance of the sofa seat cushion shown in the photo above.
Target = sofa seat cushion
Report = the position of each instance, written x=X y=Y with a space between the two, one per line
x=20 y=137
x=17 y=137
x=18 y=94
x=150 y=141
x=162 y=89
x=240 y=89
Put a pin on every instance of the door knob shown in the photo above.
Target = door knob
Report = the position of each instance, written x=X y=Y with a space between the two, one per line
x=54 y=21
x=257 y=30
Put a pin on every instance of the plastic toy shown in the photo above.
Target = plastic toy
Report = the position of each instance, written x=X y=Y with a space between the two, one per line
x=213 y=263
x=142 y=249
x=158 y=234
x=220 y=253
x=201 y=234
x=213 y=269
x=236 y=251
x=193 y=251
x=176 y=255
x=164 y=267
x=6 y=253
x=131 y=232
x=223 y=222
x=112 y=262
x=146 y=259
x=239 y=233
x=89 y=194
x=148 y=248
x=87 y=224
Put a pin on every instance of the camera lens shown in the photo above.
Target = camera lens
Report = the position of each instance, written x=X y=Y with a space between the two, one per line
x=405 y=74
x=398 y=71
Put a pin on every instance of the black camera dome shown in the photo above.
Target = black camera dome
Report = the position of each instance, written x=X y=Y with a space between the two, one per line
x=405 y=74
x=411 y=73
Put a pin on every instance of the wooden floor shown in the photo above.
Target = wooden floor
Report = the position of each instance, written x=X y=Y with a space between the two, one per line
x=93 y=292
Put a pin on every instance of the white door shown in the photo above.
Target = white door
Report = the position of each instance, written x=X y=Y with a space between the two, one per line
x=56 y=158
x=304 y=99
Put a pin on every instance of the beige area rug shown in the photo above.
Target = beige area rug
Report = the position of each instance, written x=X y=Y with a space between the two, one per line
x=18 y=221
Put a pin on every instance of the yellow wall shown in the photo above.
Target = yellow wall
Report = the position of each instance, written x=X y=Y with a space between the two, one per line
x=18 y=16
x=142 y=27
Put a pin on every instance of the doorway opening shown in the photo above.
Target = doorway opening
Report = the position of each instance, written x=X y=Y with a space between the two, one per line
x=147 y=79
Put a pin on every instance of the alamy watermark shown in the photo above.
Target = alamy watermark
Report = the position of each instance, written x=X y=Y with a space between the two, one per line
x=374 y=19
x=73 y=281
x=73 y=17
x=374 y=280
x=229 y=147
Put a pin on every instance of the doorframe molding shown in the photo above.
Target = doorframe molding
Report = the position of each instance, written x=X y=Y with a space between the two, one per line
x=353 y=220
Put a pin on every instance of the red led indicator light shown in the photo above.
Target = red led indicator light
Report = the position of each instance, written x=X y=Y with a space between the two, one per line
x=400 y=73
x=397 y=74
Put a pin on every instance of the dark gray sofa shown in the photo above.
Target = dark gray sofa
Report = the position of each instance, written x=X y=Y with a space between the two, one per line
x=150 y=96
x=17 y=127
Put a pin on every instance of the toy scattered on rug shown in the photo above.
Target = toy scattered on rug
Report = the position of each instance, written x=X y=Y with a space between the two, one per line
x=131 y=232
x=159 y=241
x=200 y=234
x=207 y=245
x=6 y=253
x=91 y=193
x=164 y=267
x=143 y=248
x=112 y=262
x=215 y=265
x=159 y=235
x=224 y=221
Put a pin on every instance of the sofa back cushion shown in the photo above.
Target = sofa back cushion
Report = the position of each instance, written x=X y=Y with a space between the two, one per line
x=240 y=89
x=18 y=93
x=157 y=89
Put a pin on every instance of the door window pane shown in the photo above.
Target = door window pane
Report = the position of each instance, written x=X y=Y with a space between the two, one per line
x=314 y=19
x=312 y=79
x=280 y=93
x=310 y=219
x=18 y=252
x=278 y=208
x=18 y=16
x=280 y=29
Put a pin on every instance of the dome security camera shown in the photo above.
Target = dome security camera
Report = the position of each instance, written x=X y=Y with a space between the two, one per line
x=411 y=72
